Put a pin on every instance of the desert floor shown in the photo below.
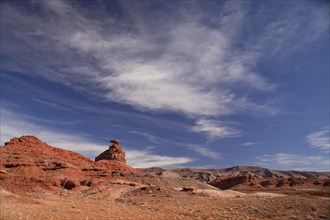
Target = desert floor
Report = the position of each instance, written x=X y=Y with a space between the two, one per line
x=120 y=201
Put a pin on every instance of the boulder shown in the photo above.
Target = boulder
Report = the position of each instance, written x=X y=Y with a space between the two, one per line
x=188 y=189
x=70 y=184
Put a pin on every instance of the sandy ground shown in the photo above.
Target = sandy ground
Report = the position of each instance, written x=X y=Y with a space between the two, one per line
x=129 y=202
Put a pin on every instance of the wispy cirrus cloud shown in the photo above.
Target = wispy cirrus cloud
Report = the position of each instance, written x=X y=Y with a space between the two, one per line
x=152 y=138
x=145 y=159
x=188 y=66
x=192 y=65
x=292 y=31
x=216 y=129
x=204 y=151
x=294 y=162
x=320 y=139
x=249 y=144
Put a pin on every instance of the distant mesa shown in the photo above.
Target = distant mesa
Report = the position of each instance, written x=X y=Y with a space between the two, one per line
x=115 y=152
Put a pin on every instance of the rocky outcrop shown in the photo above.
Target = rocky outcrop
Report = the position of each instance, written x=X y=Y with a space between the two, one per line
x=115 y=152
x=203 y=176
x=226 y=182
x=27 y=161
x=235 y=182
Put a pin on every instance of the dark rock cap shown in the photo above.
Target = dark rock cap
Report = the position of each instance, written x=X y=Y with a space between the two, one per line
x=115 y=141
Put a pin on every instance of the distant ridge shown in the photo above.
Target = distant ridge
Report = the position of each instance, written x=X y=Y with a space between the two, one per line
x=208 y=175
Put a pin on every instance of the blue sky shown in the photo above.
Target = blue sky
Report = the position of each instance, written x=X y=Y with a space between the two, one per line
x=180 y=83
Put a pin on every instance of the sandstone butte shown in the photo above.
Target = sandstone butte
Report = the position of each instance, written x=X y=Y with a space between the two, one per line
x=27 y=157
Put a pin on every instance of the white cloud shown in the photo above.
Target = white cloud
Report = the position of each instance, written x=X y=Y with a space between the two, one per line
x=249 y=144
x=152 y=138
x=294 y=162
x=144 y=159
x=320 y=139
x=186 y=66
x=57 y=6
x=215 y=129
x=206 y=152
x=16 y=125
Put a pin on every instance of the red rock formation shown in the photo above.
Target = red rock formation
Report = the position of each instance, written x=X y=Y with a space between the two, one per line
x=114 y=165
x=115 y=152
x=29 y=161
x=226 y=182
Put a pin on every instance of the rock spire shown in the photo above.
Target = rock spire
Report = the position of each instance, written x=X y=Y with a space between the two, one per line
x=115 y=152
